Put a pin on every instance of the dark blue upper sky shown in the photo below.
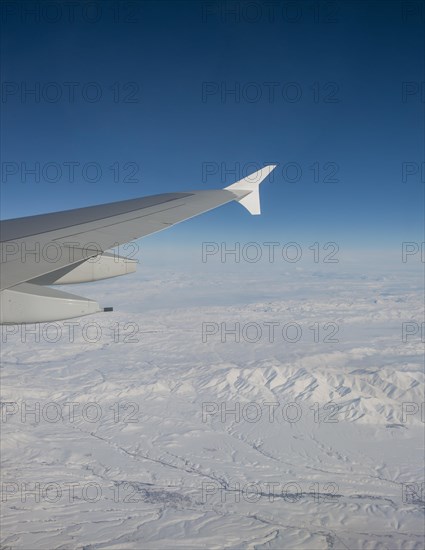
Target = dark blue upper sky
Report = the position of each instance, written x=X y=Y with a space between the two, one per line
x=137 y=98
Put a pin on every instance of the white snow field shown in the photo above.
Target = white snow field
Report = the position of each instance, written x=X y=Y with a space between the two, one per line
x=238 y=407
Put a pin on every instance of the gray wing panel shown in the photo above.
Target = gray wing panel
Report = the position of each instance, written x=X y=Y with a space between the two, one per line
x=36 y=245
x=33 y=225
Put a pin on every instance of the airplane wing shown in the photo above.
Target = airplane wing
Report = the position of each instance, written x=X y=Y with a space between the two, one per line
x=71 y=246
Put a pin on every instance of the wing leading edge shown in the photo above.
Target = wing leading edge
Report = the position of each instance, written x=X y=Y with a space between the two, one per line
x=70 y=246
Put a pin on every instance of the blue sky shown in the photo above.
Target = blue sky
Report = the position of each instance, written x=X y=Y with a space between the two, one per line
x=177 y=95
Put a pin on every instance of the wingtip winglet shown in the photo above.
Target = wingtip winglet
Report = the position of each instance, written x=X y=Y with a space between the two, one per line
x=249 y=186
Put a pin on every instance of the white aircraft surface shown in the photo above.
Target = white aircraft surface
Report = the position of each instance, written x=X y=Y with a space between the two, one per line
x=55 y=249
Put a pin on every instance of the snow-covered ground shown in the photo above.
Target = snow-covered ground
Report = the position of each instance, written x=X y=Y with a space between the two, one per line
x=229 y=407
